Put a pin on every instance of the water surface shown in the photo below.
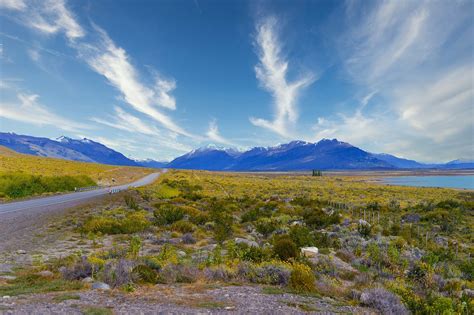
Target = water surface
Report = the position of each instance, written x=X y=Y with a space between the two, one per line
x=448 y=181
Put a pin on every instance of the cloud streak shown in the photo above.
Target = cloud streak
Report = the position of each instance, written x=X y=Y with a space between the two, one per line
x=272 y=72
x=113 y=62
x=214 y=135
x=29 y=110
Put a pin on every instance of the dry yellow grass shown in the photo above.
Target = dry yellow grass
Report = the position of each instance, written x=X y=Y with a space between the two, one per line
x=11 y=161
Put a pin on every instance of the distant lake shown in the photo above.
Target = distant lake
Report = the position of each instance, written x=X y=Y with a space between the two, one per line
x=448 y=181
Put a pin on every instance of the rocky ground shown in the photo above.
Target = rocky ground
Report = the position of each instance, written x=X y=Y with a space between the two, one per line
x=185 y=299
x=50 y=235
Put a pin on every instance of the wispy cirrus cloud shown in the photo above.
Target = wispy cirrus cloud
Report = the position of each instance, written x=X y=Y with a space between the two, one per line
x=272 y=73
x=127 y=122
x=46 y=16
x=422 y=72
x=13 y=4
x=27 y=109
x=113 y=62
x=104 y=57
x=214 y=135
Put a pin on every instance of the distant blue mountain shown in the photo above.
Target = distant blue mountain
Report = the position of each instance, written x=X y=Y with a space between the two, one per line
x=294 y=156
x=400 y=162
x=84 y=150
x=151 y=163
x=300 y=155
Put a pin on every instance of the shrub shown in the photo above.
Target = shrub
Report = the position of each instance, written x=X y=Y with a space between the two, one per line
x=79 y=270
x=118 y=273
x=178 y=273
x=285 y=248
x=135 y=246
x=183 y=226
x=245 y=252
x=302 y=278
x=188 y=239
x=384 y=301
x=219 y=273
x=364 y=229
x=222 y=224
x=131 y=202
x=17 y=185
x=168 y=214
x=132 y=223
x=301 y=236
x=266 y=226
x=441 y=305
x=318 y=219
x=144 y=274
x=273 y=273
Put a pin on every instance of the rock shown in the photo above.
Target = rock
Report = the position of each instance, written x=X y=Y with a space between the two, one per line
x=100 y=286
x=181 y=253
x=87 y=280
x=250 y=243
x=21 y=252
x=297 y=222
x=45 y=274
x=341 y=264
x=7 y=277
x=5 y=297
x=309 y=251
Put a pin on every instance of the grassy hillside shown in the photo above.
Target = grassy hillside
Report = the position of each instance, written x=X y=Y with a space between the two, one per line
x=34 y=175
x=389 y=248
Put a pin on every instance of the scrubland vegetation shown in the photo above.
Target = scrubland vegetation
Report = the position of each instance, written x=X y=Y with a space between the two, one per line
x=394 y=249
x=24 y=175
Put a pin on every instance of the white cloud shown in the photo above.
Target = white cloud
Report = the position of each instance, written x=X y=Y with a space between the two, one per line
x=13 y=4
x=127 y=122
x=214 y=135
x=431 y=122
x=413 y=56
x=272 y=74
x=52 y=16
x=113 y=63
x=28 y=110
x=442 y=107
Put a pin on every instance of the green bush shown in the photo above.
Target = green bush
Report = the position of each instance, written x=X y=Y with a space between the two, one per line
x=302 y=278
x=248 y=253
x=364 y=229
x=285 y=248
x=183 y=226
x=301 y=236
x=168 y=214
x=17 y=185
x=318 y=219
x=266 y=226
x=132 y=223
x=145 y=274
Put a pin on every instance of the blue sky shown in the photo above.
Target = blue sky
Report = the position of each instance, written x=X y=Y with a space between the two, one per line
x=155 y=79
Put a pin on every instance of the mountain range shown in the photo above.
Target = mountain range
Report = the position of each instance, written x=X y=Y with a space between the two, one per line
x=294 y=156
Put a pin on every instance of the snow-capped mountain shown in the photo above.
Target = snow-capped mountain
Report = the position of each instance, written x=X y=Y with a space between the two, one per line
x=85 y=150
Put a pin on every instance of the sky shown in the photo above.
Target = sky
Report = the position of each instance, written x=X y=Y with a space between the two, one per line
x=156 y=79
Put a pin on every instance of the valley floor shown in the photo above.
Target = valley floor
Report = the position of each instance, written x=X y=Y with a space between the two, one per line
x=215 y=242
